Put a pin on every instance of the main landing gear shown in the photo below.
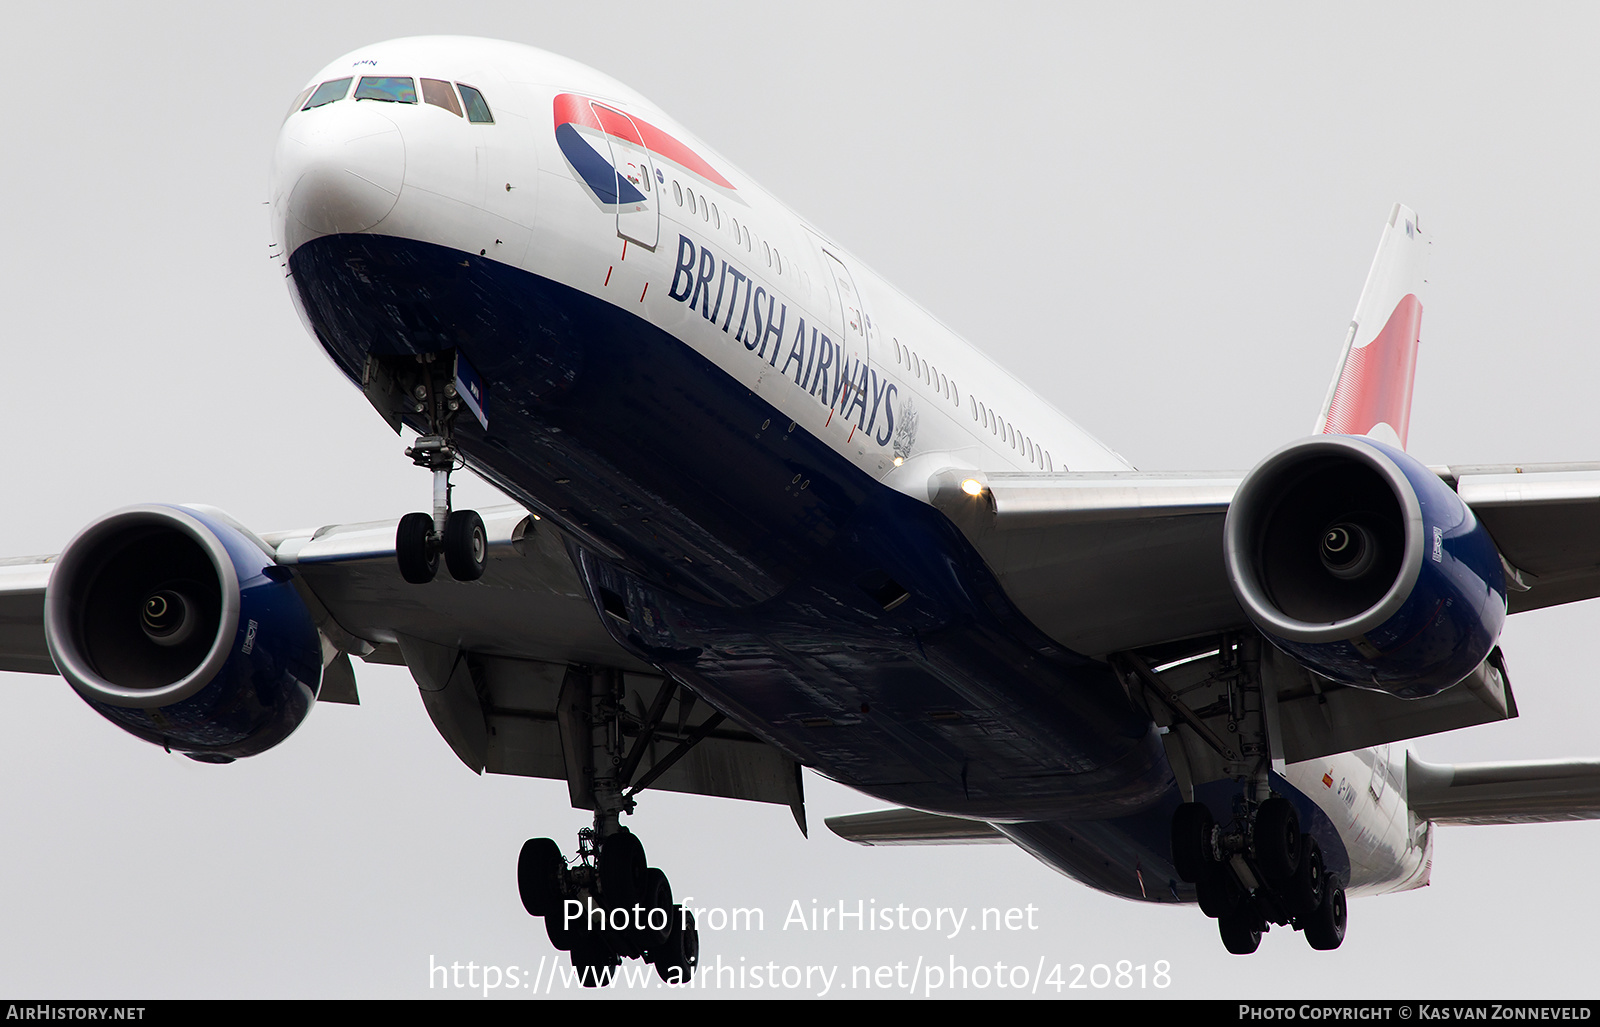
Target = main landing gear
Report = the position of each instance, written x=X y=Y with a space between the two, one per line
x=608 y=904
x=457 y=535
x=1257 y=870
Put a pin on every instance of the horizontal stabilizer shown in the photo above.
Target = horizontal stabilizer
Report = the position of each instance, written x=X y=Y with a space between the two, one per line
x=1536 y=792
x=912 y=827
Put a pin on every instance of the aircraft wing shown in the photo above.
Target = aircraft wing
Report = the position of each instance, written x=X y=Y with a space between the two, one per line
x=491 y=657
x=1543 y=518
x=1107 y=562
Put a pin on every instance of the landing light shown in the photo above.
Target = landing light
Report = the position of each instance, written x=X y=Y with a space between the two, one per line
x=899 y=460
x=972 y=487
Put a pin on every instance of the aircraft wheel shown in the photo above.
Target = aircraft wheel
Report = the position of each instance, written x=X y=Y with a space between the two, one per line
x=418 y=560
x=1277 y=841
x=1192 y=827
x=1241 y=933
x=595 y=962
x=656 y=895
x=540 y=868
x=466 y=545
x=1325 y=928
x=1219 y=894
x=561 y=936
x=622 y=867
x=1305 y=889
x=675 y=961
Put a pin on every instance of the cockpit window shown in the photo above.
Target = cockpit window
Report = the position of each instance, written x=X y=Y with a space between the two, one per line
x=328 y=92
x=299 y=101
x=477 y=107
x=390 y=90
x=438 y=92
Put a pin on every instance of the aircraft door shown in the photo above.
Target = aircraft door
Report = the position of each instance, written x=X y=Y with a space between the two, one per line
x=638 y=216
x=856 y=326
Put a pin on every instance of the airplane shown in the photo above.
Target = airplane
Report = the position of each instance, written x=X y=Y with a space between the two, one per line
x=966 y=655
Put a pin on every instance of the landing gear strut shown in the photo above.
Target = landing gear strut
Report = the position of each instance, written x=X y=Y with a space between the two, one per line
x=1259 y=869
x=458 y=535
x=609 y=903
x=1252 y=866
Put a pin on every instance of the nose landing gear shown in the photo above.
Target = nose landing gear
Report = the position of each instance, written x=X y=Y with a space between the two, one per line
x=457 y=535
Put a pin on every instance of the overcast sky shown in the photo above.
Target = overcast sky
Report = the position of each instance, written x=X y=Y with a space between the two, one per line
x=1159 y=215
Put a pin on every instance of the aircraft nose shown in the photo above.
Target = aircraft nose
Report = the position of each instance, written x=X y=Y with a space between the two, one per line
x=338 y=169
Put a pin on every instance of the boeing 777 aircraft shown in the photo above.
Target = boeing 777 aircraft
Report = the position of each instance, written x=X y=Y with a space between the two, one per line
x=771 y=514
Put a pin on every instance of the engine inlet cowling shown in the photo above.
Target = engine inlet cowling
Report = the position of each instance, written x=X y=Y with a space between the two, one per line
x=179 y=628
x=1359 y=562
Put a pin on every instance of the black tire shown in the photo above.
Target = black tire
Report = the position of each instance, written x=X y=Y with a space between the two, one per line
x=466 y=545
x=1241 y=933
x=561 y=936
x=417 y=559
x=540 y=869
x=1192 y=827
x=675 y=961
x=1325 y=928
x=622 y=867
x=595 y=962
x=1219 y=894
x=1277 y=841
x=656 y=895
x=1304 y=893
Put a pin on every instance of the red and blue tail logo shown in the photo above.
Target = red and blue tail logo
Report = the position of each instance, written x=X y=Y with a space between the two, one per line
x=592 y=135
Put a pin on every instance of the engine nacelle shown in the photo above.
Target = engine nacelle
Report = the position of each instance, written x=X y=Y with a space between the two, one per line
x=1364 y=566
x=180 y=629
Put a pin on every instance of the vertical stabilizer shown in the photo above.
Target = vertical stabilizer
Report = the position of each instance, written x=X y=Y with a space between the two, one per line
x=1371 y=390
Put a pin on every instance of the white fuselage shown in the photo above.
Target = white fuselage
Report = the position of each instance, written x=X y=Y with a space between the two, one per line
x=913 y=398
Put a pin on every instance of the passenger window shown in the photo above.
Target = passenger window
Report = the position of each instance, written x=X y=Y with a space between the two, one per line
x=477 y=107
x=693 y=209
x=747 y=245
x=328 y=92
x=716 y=216
x=677 y=192
x=768 y=250
x=389 y=90
x=438 y=92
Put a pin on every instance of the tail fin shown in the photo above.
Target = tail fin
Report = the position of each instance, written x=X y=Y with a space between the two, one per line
x=1371 y=391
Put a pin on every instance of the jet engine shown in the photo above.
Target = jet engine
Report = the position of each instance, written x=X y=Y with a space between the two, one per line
x=180 y=628
x=1364 y=566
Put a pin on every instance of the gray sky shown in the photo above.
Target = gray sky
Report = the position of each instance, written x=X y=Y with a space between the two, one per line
x=1160 y=215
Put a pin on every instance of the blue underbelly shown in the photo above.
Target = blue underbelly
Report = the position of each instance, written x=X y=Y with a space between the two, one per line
x=743 y=555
